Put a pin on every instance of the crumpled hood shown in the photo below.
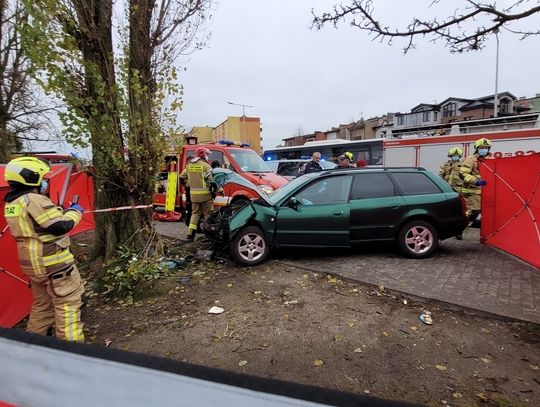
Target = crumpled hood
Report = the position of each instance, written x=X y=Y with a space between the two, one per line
x=223 y=176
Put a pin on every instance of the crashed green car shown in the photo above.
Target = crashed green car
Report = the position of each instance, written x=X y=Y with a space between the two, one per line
x=344 y=208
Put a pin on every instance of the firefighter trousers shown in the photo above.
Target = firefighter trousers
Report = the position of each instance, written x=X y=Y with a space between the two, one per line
x=201 y=210
x=58 y=300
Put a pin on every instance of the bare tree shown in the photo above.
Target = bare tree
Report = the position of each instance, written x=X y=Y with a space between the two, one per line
x=114 y=88
x=22 y=112
x=467 y=29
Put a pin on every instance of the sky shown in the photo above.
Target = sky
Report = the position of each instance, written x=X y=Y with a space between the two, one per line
x=263 y=53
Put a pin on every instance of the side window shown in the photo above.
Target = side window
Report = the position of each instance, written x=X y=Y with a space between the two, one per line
x=415 y=183
x=326 y=191
x=215 y=156
x=372 y=185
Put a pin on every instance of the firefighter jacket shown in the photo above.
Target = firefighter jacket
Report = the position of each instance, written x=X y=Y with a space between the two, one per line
x=198 y=174
x=40 y=229
x=469 y=174
x=450 y=173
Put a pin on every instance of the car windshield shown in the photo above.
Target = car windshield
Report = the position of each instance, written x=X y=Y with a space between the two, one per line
x=287 y=189
x=249 y=160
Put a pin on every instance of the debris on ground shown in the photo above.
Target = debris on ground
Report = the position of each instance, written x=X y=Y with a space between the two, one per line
x=216 y=310
x=425 y=317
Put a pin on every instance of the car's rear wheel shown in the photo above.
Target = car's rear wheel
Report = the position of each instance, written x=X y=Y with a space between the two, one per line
x=418 y=239
x=249 y=246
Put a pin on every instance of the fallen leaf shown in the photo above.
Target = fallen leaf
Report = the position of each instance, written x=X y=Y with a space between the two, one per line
x=381 y=287
x=242 y=363
x=440 y=367
x=457 y=395
x=385 y=333
x=358 y=350
x=338 y=338
x=351 y=324
x=318 y=362
x=229 y=285
x=108 y=342
x=413 y=328
x=482 y=396
x=485 y=360
x=257 y=292
x=332 y=280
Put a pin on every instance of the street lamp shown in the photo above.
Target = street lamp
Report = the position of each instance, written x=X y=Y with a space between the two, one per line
x=243 y=118
x=496 y=104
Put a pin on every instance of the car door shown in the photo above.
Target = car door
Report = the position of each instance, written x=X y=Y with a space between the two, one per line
x=377 y=208
x=321 y=216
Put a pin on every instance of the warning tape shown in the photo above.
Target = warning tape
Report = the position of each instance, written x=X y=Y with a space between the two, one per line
x=120 y=208
x=14 y=276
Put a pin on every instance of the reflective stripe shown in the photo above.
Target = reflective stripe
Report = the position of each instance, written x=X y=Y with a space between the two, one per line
x=199 y=192
x=68 y=327
x=73 y=216
x=192 y=226
x=61 y=257
x=48 y=214
x=47 y=238
x=33 y=246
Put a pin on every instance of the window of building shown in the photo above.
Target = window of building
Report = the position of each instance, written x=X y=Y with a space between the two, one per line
x=504 y=106
x=449 y=109
x=425 y=116
x=400 y=120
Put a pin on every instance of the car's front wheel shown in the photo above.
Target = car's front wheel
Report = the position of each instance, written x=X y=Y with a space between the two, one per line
x=418 y=239
x=249 y=246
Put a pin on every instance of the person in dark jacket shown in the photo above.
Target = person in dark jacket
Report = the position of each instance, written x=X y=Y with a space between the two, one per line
x=314 y=165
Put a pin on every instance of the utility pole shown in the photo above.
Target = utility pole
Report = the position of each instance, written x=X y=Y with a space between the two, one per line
x=496 y=104
x=243 y=118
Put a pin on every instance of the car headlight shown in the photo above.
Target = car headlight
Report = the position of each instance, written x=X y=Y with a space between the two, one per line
x=266 y=189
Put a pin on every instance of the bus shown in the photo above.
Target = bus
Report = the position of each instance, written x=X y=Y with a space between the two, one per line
x=369 y=150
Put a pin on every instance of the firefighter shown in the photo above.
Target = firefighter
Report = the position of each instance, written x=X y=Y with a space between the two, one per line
x=40 y=229
x=450 y=169
x=472 y=182
x=198 y=174
x=345 y=160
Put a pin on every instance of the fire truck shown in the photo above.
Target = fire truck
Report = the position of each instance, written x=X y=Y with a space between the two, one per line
x=226 y=154
x=431 y=152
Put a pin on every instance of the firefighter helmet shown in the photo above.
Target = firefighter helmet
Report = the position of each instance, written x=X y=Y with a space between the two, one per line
x=26 y=171
x=455 y=151
x=348 y=155
x=482 y=142
x=202 y=152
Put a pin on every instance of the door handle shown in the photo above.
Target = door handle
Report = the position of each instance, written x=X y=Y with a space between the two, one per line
x=338 y=213
x=396 y=207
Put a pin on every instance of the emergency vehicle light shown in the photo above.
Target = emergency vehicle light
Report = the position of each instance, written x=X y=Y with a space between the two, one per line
x=226 y=142
x=247 y=145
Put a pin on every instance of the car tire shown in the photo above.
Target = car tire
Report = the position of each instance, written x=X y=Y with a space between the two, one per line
x=249 y=247
x=418 y=239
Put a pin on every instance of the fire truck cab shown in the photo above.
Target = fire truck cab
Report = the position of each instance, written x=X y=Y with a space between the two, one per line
x=226 y=154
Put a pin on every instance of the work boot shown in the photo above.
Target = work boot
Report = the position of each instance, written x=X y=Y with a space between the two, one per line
x=190 y=236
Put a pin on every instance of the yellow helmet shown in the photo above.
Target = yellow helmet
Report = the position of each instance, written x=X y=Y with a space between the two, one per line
x=348 y=155
x=482 y=142
x=454 y=151
x=26 y=171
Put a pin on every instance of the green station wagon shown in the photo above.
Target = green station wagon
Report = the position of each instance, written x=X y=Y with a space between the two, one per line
x=346 y=207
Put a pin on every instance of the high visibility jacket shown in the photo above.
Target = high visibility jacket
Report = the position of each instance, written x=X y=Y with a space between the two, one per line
x=450 y=173
x=469 y=174
x=198 y=174
x=40 y=230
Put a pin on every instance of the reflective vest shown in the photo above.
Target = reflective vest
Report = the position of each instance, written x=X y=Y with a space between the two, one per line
x=198 y=174
x=469 y=174
x=450 y=173
x=40 y=253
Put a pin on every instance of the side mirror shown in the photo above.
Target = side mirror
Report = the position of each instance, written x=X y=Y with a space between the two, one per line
x=293 y=203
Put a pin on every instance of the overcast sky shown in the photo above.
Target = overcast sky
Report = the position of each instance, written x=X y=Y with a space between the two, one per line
x=263 y=53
